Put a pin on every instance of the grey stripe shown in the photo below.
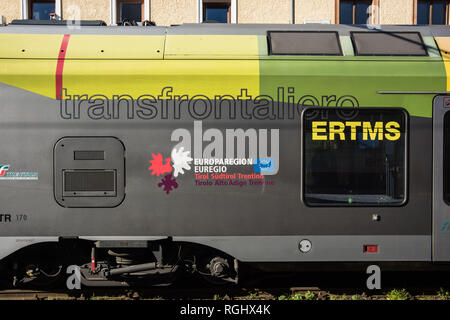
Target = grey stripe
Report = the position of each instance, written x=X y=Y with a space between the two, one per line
x=280 y=248
x=219 y=28
x=324 y=248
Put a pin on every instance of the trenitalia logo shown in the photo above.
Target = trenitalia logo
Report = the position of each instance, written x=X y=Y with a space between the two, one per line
x=3 y=169
x=5 y=174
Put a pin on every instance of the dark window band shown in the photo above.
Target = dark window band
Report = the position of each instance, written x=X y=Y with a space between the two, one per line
x=304 y=43
x=388 y=44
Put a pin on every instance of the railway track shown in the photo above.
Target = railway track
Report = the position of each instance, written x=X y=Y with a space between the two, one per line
x=314 y=285
x=152 y=294
x=294 y=293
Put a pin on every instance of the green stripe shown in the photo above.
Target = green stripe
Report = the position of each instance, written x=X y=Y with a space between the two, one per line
x=360 y=77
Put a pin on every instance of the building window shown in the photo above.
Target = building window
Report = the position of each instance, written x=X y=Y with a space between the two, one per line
x=41 y=9
x=432 y=12
x=354 y=157
x=130 y=10
x=354 y=11
x=214 y=11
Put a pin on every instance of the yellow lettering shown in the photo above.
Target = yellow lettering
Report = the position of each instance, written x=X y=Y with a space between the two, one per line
x=393 y=129
x=323 y=130
x=337 y=128
x=316 y=130
x=367 y=129
x=353 y=125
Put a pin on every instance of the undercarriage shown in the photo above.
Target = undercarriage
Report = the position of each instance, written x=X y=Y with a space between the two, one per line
x=116 y=264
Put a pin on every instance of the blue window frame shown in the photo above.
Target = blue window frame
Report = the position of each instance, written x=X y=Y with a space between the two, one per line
x=354 y=11
x=41 y=10
x=216 y=12
x=131 y=11
x=432 y=12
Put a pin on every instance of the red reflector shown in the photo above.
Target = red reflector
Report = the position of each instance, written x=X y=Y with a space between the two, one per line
x=370 y=248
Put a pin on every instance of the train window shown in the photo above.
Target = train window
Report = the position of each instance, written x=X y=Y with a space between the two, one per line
x=446 y=158
x=304 y=43
x=388 y=44
x=354 y=157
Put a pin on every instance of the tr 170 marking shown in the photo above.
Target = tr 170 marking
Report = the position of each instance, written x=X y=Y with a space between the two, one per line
x=21 y=217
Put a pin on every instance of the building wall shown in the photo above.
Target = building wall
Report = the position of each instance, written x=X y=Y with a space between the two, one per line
x=167 y=12
x=88 y=9
x=10 y=10
x=315 y=10
x=263 y=11
x=396 y=11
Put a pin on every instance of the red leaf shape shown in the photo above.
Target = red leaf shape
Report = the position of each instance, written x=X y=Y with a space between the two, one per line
x=158 y=167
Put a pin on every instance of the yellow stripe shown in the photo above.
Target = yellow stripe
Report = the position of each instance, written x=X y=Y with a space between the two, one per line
x=133 y=77
x=444 y=45
x=132 y=64
x=37 y=76
x=30 y=46
x=115 y=47
x=31 y=61
x=211 y=47
x=204 y=74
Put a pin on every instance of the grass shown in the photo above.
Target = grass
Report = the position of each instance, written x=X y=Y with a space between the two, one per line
x=397 y=294
x=336 y=297
x=425 y=298
x=308 y=295
x=443 y=294
x=394 y=294
x=297 y=296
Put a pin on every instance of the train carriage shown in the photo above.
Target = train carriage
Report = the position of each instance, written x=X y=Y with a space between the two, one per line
x=139 y=152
